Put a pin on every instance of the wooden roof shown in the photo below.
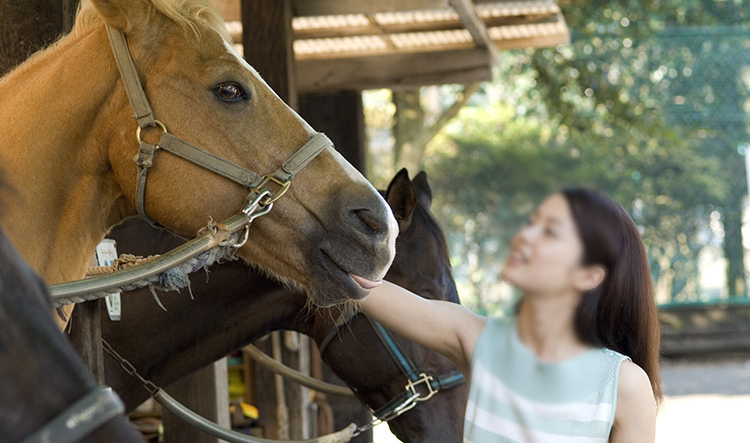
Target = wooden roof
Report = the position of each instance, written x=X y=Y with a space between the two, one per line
x=366 y=44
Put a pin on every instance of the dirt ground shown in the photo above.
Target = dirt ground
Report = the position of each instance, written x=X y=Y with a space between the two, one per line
x=706 y=401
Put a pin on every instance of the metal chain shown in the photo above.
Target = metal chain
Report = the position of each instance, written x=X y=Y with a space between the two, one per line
x=129 y=368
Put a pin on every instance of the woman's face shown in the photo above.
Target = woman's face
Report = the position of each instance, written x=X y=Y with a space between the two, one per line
x=546 y=253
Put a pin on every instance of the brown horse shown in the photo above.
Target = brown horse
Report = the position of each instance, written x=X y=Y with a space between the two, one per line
x=69 y=141
x=237 y=305
x=41 y=376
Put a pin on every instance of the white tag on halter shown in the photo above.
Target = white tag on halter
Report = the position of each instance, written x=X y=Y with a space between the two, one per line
x=106 y=254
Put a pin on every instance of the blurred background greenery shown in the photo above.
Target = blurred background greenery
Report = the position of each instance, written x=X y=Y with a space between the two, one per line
x=648 y=103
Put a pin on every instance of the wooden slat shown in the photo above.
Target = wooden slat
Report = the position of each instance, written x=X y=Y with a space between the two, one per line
x=307 y=8
x=394 y=71
x=448 y=25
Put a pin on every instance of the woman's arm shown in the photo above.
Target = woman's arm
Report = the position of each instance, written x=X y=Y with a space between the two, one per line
x=635 y=416
x=445 y=327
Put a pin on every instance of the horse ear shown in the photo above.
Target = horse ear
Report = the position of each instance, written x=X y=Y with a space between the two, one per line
x=123 y=14
x=402 y=197
x=424 y=192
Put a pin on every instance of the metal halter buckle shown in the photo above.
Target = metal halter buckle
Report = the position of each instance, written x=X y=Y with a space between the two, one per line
x=284 y=184
x=427 y=380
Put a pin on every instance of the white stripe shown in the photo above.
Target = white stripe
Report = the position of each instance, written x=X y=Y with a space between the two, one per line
x=581 y=412
x=514 y=431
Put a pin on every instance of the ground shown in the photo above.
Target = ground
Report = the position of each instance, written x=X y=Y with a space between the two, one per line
x=706 y=400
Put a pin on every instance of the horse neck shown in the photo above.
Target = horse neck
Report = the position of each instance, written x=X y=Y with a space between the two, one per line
x=54 y=147
x=236 y=306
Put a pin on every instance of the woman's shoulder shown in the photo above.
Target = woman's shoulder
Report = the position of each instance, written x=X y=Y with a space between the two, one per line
x=633 y=383
x=636 y=407
x=634 y=393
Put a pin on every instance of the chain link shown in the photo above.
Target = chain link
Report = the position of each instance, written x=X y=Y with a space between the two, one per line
x=129 y=368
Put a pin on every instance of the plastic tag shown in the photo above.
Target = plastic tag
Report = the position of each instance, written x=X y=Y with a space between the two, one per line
x=106 y=254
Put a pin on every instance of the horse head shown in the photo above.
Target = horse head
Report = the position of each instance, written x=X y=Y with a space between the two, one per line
x=329 y=226
x=422 y=266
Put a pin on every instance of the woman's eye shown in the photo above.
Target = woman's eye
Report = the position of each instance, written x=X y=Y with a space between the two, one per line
x=230 y=92
x=550 y=232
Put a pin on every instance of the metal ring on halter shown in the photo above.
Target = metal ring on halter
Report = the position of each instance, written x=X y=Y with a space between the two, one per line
x=157 y=123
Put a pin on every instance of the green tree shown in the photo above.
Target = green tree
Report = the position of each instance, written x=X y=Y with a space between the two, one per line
x=604 y=112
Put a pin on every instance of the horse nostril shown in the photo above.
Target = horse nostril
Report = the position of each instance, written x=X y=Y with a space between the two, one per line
x=369 y=222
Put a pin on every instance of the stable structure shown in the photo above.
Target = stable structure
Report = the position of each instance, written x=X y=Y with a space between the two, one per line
x=318 y=55
x=356 y=45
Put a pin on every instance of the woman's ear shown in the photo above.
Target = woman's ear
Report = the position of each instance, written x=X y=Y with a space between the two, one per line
x=589 y=277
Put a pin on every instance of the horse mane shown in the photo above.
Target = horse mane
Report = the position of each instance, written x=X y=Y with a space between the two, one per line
x=190 y=15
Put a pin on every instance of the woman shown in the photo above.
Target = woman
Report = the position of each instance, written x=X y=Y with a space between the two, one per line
x=579 y=360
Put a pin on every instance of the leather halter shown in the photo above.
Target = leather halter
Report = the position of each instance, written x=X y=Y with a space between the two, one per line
x=417 y=382
x=168 y=142
x=80 y=419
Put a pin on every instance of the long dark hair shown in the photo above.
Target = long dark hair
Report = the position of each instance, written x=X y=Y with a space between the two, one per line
x=620 y=313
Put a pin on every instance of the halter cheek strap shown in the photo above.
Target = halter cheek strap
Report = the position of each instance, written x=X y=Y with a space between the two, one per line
x=207 y=160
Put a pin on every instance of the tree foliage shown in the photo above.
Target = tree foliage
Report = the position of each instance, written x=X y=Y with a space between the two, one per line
x=646 y=103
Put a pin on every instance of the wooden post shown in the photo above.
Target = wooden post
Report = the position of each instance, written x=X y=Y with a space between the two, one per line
x=341 y=117
x=206 y=393
x=267 y=39
x=28 y=26
x=86 y=335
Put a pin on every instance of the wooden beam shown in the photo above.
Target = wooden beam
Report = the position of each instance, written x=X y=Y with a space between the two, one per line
x=306 y=8
x=394 y=71
x=268 y=43
x=475 y=26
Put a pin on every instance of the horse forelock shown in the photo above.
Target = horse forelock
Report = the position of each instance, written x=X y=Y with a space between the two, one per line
x=192 y=16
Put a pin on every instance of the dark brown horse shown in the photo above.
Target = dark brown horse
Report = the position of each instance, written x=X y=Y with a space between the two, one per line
x=237 y=305
x=41 y=376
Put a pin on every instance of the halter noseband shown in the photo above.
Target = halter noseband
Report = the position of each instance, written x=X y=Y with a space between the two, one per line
x=417 y=382
x=145 y=158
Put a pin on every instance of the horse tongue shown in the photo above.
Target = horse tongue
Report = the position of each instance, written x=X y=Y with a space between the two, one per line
x=366 y=283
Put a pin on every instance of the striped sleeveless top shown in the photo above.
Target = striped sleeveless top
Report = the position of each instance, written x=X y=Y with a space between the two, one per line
x=515 y=397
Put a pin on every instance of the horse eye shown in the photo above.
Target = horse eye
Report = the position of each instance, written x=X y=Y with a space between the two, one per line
x=230 y=92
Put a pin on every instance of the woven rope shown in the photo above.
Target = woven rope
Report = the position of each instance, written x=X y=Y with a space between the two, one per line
x=175 y=278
